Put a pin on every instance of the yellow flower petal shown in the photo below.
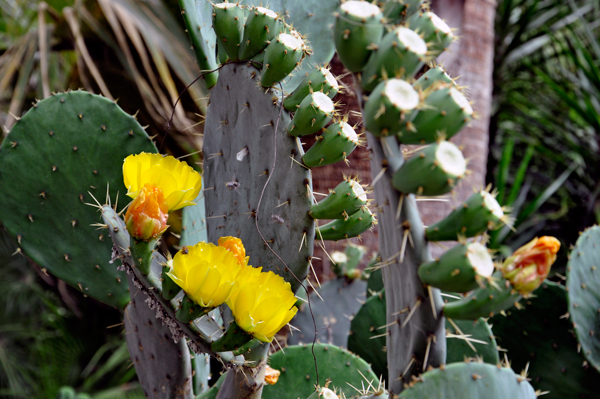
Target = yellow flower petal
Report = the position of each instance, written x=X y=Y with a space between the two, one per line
x=179 y=182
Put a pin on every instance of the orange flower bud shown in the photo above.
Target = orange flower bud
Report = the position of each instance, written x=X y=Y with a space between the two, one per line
x=146 y=217
x=271 y=375
x=235 y=246
x=529 y=265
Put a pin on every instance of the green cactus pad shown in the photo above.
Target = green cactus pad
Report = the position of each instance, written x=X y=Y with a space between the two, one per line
x=335 y=143
x=461 y=269
x=477 y=214
x=358 y=26
x=298 y=377
x=484 y=302
x=445 y=113
x=228 y=23
x=401 y=54
x=540 y=339
x=434 y=170
x=345 y=264
x=239 y=154
x=367 y=337
x=436 y=33
x=320 y=79
x=233 y=339
x=164 y=366
x=390 y=108
x=479 y=330
x=353 y=226
x=470 y=381
x=396 y=11
x=583 y=284
x=262 y=26
x=193 y=228
x=315 y=111
x=48 y=164
x=341 y=300
x=344 y=200
x=434 y=76
x=282 y=56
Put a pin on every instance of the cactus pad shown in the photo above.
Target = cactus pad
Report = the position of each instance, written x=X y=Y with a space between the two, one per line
x=546 y=345
x=583 y=284
x=239 y=154
x=458 y=349
x=341 y=300
x=48 y=164
x=470 y=381
x=298 y=378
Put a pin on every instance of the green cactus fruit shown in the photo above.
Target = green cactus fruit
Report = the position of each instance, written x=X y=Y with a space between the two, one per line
x=547 y=348
x=469 y=381
x=235 y=339
x=298 y=377
x=470 y=339
x=396 y=11
x=480 y=212
x=141 y=252
x=332 y=306
x=345 y=263
x=367 y=337
x=436 y=33
x=262 y=26
x=400 y=54
x=49 y=163
x=189 y=310
x=228 y=23
x=222 y=55
x=344 y=200
x=445 y=113
x=169 y=288
x=391 y=107
x=282 y=55
x=353 y=226
x=462 y=268
x=335 y=143
x=583 y=285
x=315 y=111
x=323 y=393
x=434 y=170
x=434 y=76
x=320 y=79
x=358 y=29
x=493 y=298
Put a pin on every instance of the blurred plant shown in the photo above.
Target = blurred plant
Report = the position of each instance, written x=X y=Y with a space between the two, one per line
x=544 y=130
x=115 y=48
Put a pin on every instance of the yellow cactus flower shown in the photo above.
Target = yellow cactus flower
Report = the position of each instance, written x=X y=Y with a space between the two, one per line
x=261 y=303
x=529 y=265
x=146 y=217
x=234 y=245
x=205 y=272
x=179 y=182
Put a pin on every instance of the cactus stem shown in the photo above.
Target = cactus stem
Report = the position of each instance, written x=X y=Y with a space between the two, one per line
x=412 y=311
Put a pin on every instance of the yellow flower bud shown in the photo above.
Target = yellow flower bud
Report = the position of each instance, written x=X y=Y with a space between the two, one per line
x=529 y=265
x=179 y=182
x=205 y=272
x=235 y=246
x=146 y=217
x=261 y=303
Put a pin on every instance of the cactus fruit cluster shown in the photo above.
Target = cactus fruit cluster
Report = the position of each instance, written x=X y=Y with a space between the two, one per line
x=273 y=88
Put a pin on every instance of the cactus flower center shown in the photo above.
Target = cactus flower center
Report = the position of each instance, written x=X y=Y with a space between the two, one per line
x=529 y=266
x=147 y=215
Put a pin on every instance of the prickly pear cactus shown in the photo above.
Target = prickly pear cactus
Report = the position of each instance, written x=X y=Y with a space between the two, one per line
x=51 y=168
x=583 y=283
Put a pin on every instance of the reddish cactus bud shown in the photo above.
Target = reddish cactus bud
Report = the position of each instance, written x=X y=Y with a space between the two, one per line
x=529 y=266
x=147 y=215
